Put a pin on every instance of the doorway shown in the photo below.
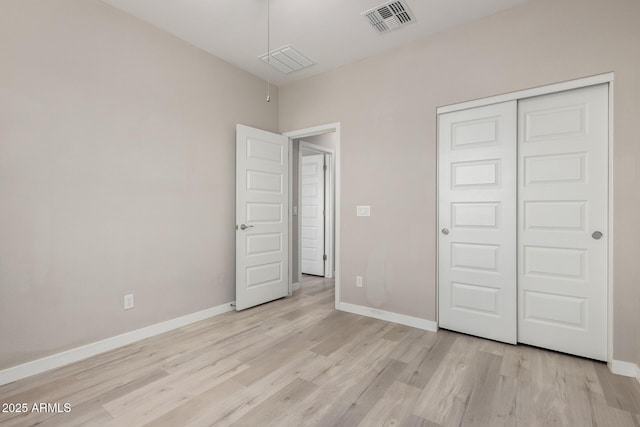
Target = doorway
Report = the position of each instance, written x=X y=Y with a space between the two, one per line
x=265 y=217
x=315 y=235
x=315 y=204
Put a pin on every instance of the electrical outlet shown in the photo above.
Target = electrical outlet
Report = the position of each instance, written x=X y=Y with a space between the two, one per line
x=128 y=301
x=359 y=281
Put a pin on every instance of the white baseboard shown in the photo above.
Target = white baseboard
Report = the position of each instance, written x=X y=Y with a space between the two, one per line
x=402 y=319
x=295 y=286
x=70 y=356
x=626 y=369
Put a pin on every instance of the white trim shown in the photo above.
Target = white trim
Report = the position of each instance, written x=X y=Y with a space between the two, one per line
x=313 y=131
x=528 y=93
x=610 y=236
x=70 y=356
x=296 y=286
x=299 y=186
x=626 y=369
x=436 y=234
x=330 y=219
x=415 y=322
x=290 y=201
x=316 y=130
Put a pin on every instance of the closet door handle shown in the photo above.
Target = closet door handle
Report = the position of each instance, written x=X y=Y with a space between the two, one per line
x=445 y=231
x=597 y=235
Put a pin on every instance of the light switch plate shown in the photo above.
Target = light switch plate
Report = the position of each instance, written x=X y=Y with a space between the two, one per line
x=363 y=210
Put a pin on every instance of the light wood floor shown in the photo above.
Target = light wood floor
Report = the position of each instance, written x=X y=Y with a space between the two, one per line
x=298 y=362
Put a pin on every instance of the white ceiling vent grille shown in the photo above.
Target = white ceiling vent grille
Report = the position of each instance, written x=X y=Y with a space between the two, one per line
x=287 y=59
x=390 y=15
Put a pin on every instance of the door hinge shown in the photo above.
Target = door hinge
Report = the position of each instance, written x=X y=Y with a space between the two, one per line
x=324 y=168
x=324 y=257
x=324 y=213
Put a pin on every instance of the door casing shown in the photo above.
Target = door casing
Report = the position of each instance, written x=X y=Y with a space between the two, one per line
x=307 y=132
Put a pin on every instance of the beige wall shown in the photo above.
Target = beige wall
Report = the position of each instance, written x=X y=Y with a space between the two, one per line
x=387 y=108
x=117 y=153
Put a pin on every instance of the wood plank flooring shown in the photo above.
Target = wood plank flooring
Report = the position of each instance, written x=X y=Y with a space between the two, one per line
x=298 y=362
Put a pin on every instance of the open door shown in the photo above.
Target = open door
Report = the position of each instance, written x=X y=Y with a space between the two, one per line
x=313 y=212
x=262 y=217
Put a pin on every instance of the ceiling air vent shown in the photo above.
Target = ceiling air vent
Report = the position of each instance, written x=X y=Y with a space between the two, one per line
x=287 y=59
x=389 y=16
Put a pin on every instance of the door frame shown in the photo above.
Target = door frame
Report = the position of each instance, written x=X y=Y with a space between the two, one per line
x=607 y=78
x=303 y=133
x=328 y=207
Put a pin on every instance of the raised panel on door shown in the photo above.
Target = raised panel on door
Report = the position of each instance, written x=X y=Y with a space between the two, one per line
x=563 y=184
x=477 y=210
x=312 y=214
x=261 y=217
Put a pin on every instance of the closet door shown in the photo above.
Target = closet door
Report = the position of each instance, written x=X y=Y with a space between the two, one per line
x=562 y=221
x=477 y=221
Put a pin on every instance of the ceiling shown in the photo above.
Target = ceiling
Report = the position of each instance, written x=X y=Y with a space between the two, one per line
x=329 y=32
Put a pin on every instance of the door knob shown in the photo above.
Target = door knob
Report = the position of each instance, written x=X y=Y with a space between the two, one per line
x=244 y=227
x=597 y=235
x=445 y=231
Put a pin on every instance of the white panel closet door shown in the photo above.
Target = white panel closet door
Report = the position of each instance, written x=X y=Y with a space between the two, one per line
x=477 y=221
x=312 y=214
x=563 y=191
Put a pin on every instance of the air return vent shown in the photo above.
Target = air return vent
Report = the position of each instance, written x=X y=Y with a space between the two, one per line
x=287 y=59
x=389 y=16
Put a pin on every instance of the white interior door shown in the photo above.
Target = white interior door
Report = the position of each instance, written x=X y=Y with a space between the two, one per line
x=477 y=221
x=262 y=242
x=312 y=214
x=562 y=221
